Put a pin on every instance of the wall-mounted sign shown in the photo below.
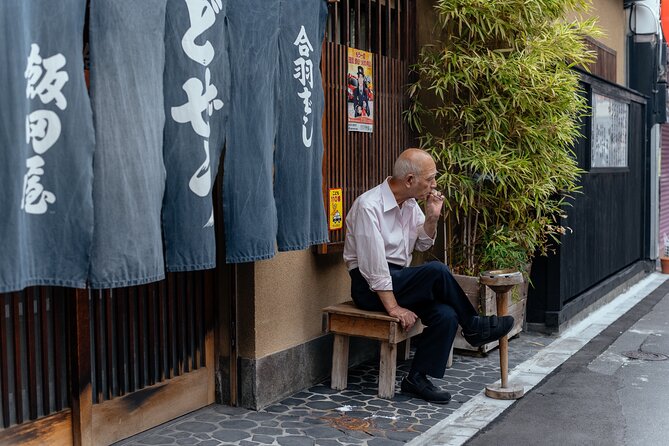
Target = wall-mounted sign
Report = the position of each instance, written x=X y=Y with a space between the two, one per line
x=336 y=209
x=608 y=144
x=360 y=91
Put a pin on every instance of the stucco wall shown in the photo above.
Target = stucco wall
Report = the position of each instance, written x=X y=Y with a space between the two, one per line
x=611 y=19
x=290 y=291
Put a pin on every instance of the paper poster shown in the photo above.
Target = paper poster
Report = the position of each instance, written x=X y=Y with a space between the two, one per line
x=360 y=91
x=336 y=209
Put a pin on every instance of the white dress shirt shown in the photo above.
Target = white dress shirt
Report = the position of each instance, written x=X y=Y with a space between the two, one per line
x=379 y=231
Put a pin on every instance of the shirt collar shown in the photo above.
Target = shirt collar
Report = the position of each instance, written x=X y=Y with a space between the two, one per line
x=388 y=198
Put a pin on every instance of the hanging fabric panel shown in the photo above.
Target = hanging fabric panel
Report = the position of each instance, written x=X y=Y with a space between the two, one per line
x=298 y=180
x=196 y=85
x=248 y=200
x=266 y=96
x=127 y=62
x=46 y=145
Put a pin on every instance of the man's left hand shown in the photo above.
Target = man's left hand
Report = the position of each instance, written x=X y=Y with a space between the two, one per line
x=433 y=204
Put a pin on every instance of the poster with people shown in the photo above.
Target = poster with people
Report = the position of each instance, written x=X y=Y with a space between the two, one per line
x=360 y=91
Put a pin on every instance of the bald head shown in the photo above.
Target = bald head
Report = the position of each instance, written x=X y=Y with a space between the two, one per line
x=411 y=161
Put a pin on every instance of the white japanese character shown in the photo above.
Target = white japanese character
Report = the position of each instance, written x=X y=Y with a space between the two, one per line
x=304 y=71
x=202 y=14
x=307 y=140
x=210 y=222
x=35 y=199
x=200 y=182
x=302 y=43
x=43 y=127
x=200 y=98
x=306 y=95
x=44 y=79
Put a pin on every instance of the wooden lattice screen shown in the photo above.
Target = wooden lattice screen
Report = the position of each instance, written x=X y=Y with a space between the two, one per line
x=357 y=161
x=146 y=334
x=34 y=343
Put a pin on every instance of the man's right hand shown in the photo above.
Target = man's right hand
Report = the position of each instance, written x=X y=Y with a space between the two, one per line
x=407 y=317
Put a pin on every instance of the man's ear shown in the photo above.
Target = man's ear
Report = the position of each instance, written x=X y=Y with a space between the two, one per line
x=409 y=179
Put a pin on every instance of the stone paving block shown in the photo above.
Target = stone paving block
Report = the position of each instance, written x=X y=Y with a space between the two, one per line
x=267 y=431
x=384 y=442
x=295 y=441
x=327 y=442
x=157 y=440
x=263 y=439
x=196 y=426
x=238 y=424
x=322 y=432
x=229 y=435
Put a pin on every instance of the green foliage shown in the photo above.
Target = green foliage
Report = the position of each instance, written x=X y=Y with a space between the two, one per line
x=498 y=104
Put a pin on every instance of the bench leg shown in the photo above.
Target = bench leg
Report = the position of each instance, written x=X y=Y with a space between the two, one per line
x=339 y=377
x=404 y=349
x=449 y=363
x=387 y=370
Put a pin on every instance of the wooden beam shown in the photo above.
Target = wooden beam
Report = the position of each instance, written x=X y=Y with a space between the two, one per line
x=53 y=429
x=82 y=392
x=123 y=417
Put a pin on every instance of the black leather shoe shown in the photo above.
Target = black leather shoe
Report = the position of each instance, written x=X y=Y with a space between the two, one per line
x=418 y=384
x=484 y=329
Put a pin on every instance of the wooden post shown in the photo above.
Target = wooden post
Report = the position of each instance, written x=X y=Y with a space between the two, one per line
x=502 y=282
x=387 y=370
x=339 y=377
x=82 y=392
x=502 y=305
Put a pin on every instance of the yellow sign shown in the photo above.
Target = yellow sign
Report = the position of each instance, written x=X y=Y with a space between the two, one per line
x=336 y=207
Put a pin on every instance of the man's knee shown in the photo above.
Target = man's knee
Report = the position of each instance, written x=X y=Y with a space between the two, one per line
x=442 y=316
x=437 y=267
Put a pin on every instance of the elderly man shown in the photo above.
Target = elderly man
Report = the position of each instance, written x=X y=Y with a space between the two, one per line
x=383 y=227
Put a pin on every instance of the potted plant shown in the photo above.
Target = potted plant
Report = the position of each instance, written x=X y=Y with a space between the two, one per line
x=497 y=103
x=664 y=258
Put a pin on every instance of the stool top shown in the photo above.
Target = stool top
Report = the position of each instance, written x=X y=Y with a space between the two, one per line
x=349 y=309
x=501 y=277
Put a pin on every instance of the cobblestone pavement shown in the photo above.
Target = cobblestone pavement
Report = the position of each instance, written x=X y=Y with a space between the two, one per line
x=355 y=416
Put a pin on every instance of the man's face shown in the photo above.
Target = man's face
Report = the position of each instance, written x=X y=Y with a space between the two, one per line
x=425 y=181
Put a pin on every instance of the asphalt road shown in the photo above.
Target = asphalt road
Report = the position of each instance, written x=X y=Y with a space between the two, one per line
x=600 y=396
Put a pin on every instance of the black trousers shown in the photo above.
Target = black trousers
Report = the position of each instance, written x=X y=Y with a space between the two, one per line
x=430 y=291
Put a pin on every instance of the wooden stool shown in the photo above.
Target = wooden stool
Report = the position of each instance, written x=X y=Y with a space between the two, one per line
x=346 y=320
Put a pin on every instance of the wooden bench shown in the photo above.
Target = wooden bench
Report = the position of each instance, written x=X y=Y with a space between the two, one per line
x=345 y=320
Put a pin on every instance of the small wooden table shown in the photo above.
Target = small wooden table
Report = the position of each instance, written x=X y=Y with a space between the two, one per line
x=345 y=320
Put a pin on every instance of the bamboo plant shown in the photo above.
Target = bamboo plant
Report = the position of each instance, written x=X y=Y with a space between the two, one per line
x=497 y=103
